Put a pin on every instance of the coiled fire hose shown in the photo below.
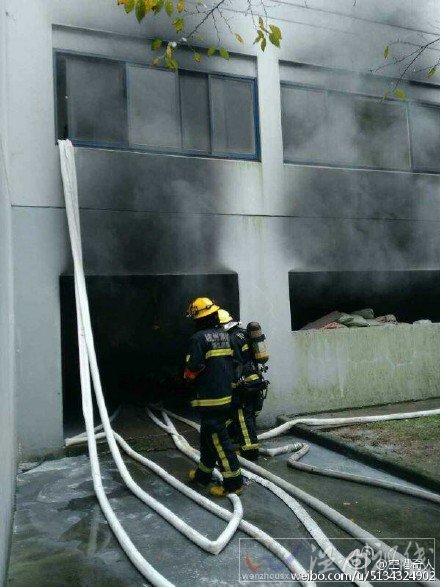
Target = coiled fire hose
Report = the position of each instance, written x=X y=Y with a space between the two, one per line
x=88 y=365
x=311 y=526
x=337 y=518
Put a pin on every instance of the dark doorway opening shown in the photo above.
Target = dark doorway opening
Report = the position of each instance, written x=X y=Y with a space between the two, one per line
x=409 y=295
x=141 y=336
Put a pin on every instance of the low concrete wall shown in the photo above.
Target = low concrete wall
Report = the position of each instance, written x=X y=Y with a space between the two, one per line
x=361 y=366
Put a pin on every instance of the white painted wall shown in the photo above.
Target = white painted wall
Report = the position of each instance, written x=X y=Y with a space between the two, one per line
x=7 y=415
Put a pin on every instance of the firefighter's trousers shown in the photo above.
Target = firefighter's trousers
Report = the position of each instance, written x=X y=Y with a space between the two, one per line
x=243 y=428
x=216 y=449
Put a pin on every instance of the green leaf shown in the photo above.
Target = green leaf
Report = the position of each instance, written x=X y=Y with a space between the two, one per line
x=180 y=5
x=399 y=93
x=276 y=31
x=129 y=5
x=156 y=61
x=140 y=10
x=158 y=7
x=156 y=44
x=259 y=37
x=224 y=53
x=197 y=57
x=178 y=24
x=432 y=71
x=169 y=7
x=171 y=63
x=211 y=51
x=274 y=39
x=263 y=44
x=386 y=52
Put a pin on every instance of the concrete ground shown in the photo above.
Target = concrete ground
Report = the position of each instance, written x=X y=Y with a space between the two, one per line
x=408 y=447
x=62 y=539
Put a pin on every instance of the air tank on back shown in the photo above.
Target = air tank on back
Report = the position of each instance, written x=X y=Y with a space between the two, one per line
x=258 y=343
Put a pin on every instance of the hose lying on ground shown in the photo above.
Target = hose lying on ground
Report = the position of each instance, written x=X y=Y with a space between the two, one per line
x=88 y=366
x=311 y=526
x=283 y=428
x=280 y=450
x=337 y=518
x=88 y=363
x=82 y=436
x=272 y=545
x=271 y=452
x=293 y=462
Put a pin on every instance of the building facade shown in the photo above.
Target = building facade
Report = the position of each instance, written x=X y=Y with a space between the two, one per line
x=264 y=166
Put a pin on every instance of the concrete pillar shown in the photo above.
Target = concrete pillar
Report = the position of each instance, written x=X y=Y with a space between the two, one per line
x=7 y=427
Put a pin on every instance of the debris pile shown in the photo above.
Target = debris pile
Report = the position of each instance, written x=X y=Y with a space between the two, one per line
x=358 y=319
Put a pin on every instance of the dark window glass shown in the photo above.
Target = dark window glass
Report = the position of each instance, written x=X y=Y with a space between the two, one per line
x=339 y=128
x=96 y=100
x=102 y=102
x=232 y=116
x=425 y=125
x=194 y=100
x=153 y=108
x=62 y=121
x=304 y=115
x=381 y=134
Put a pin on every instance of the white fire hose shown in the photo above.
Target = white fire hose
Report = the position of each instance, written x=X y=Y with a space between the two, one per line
x=311 y=526
x=88 y=365
x=293 y=462
x=82 y=437
x=337 y=518
x=88 y=361
x=283 y=428
x=280 y=487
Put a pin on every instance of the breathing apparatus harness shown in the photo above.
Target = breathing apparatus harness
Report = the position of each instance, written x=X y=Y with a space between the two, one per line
x=252 y=380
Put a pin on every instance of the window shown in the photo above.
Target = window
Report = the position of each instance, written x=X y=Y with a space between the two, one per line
x=425 y=125
x=101 y=102
x=409 y=295
x=194 y=106
x=153 y=119
x=95 y=96
x=233 y=120
x=341 y=128
x=304 y=124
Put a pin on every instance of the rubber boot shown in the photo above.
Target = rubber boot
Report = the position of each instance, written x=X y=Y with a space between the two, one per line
x=192 y=478
x=220 y=491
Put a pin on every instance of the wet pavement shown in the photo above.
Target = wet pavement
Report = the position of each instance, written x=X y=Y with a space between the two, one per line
x=62 y=539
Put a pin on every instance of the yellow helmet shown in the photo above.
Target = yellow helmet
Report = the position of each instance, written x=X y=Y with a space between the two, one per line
x=224 y=316
x=201 y=307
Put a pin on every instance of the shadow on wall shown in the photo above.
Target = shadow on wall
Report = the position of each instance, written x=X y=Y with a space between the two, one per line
x=141 y=335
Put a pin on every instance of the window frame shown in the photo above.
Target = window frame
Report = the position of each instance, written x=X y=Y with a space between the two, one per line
x=256 y=156
x=413 y=168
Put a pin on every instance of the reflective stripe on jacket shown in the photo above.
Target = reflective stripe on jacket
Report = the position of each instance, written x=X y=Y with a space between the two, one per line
x=209 y=365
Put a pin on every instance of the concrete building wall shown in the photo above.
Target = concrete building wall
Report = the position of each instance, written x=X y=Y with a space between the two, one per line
x=149 y=213
x=7 y=416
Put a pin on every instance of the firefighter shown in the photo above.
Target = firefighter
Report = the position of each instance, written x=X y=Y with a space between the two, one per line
x=209 y=366
x=249 y=387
